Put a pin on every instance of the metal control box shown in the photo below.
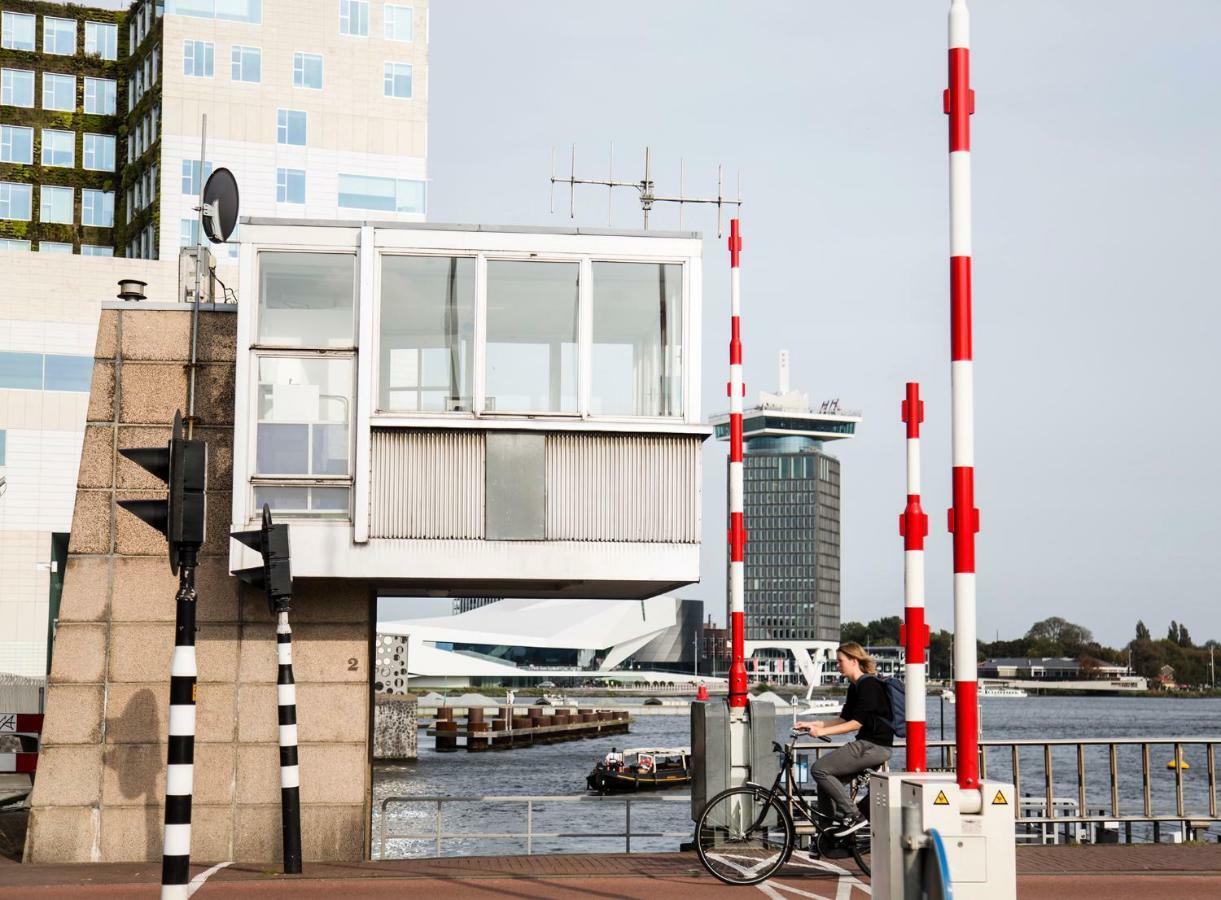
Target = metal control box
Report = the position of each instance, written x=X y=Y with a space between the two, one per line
x=980 y=846
x=721 y=747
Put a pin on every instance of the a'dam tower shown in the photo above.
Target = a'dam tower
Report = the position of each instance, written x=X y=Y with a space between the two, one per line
x=791 y=495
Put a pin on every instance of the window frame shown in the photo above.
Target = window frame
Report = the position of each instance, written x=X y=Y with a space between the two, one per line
x=47 y=33
x=8 y=71
x=303 y=56
x=6 y=188
x=389 y=78
x=42 y=190
x=114 y=96
x=584 y=343
x=6 y=42
x=57 y=132
x=237 y=62
x=288 y=128
x=94 y=194
x=103 y=138
x=43 y=98
x=288 y=172
x=104 y=27
x=8 y=129
x=345 y=15
x=189 y=60
x=257 y=352
x=398 y=8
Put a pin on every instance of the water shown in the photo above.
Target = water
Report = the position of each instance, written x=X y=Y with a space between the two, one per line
x=560 y=769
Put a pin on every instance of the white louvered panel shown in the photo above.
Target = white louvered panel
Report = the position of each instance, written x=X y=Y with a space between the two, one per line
x=427 y=484
x=616 y=487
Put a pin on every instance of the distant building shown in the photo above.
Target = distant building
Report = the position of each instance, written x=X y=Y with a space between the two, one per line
x=319 y=109
x=1048 y=668
x=520 y=642
x=716 y=649
x=466 y=604
x=792 y=506
x=675 y=649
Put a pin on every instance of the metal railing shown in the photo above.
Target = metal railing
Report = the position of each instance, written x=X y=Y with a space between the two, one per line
x=437 y=835
x=1046 y=806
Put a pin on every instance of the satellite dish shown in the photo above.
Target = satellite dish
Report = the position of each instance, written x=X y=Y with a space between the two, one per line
x=220 y=206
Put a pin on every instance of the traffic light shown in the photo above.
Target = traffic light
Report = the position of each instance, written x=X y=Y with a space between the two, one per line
x=183 y=466
x=275 y=575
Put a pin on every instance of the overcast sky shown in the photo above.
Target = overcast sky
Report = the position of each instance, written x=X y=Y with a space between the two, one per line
x=1097 y=147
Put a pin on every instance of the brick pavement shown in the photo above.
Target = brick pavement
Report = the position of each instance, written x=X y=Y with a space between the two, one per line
x=1113 y=872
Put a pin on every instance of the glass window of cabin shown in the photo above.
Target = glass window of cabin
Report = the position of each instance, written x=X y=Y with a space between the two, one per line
x=303 y=429
x=532 y=336
x=637 y=339
x=427 y=333
x=307 y=299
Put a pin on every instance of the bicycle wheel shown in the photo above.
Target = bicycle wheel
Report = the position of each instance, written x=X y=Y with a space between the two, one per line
x=743 y=835
x=861 y=844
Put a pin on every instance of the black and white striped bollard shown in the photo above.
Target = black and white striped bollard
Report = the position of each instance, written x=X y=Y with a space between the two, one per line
x=290 y=773
x=180 y=756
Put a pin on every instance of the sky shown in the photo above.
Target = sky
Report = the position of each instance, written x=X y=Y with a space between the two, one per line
x=1096 y=155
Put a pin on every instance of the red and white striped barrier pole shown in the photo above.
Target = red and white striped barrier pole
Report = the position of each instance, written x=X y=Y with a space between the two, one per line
x=913 y=527
x=959 y=102
x=737 y=513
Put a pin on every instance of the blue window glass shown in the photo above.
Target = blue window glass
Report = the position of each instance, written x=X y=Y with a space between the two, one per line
x=1 y=446
x=21 y=370
x=68 y=373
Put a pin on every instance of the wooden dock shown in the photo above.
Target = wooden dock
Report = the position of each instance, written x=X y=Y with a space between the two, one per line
x=508 y=729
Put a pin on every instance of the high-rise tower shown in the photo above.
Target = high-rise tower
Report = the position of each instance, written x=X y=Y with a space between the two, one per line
x=792 y=506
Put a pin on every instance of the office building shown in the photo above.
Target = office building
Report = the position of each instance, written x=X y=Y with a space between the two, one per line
x=318 y=107
x=792 y=504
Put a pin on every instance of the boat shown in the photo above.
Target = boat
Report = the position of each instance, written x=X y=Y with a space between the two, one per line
x=996 y=690
x=641 y=769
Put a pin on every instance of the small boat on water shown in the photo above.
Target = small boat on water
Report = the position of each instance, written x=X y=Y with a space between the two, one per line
x=641 y=769
x=999 y=690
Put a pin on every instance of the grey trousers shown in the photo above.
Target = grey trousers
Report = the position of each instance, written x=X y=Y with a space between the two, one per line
x=835 y=770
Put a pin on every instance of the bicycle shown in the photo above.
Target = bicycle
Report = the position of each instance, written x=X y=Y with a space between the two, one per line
x=745 y=834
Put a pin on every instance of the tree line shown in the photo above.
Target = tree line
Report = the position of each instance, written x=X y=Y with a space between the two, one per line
x=1057 y=637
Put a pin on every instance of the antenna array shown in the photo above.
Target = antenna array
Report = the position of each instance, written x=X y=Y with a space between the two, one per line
x=645 y=188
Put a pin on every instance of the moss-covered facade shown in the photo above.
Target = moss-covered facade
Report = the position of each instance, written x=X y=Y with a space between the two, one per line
x=121 y=125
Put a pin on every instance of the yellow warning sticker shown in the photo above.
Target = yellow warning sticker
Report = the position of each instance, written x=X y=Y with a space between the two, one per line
x=999 y=800
x=941 y=799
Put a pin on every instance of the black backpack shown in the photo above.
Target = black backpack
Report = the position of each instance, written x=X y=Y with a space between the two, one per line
x=896 y=693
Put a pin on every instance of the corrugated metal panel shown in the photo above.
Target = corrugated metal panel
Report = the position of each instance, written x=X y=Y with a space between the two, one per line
x=623 y=487
x=427 y=484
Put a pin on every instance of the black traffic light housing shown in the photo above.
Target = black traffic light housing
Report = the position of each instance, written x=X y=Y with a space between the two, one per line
x=183 y=466
x=275 y=575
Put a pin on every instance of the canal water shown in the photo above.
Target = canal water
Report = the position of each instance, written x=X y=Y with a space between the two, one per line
x=560 y=769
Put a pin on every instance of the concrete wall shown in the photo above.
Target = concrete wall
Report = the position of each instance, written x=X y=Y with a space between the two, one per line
x=100 y=787
x=395 y=734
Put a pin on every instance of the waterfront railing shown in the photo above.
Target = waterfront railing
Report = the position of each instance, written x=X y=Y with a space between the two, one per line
x=438 y=836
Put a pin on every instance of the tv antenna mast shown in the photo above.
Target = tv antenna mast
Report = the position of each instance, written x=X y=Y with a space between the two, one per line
x=645 y=188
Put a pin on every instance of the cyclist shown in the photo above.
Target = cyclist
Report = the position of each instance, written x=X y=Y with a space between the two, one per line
x=867 y=712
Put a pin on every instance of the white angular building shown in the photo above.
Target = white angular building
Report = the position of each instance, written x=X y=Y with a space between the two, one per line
x=520 y=642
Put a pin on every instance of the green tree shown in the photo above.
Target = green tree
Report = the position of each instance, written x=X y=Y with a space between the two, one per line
x=852 y=631
x=1184 y=637
x=1142 y=632
x=1172 y=634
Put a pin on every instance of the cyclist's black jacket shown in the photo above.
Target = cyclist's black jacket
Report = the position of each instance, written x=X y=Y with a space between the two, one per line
x=869 y=704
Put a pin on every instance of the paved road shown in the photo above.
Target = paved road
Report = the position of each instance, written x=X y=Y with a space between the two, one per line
x=1141 y=872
